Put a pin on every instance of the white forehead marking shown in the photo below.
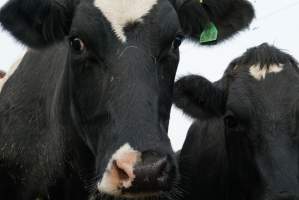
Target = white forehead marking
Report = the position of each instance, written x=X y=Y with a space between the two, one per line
x=121 y=12
x=260 y=72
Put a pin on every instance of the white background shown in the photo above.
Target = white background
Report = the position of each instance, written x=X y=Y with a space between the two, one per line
x=276 y=22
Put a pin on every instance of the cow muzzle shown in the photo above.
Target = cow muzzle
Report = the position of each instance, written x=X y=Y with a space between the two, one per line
x=131 y=174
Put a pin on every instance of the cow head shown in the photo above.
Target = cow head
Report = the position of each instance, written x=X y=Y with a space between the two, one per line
x=258 y=100
x=123 y=56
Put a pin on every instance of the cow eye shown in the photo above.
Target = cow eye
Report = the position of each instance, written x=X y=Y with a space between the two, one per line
x=77 y=44
x=230 y=120
x=178 y=41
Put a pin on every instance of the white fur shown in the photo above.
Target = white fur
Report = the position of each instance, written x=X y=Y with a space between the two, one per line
x=121 y=12
x=10 y=72
x=260 y=72
x=104 y=185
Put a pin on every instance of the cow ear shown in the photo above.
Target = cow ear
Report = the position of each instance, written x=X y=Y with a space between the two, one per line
x=199 y=98
x=38 y=23
x=212 y=21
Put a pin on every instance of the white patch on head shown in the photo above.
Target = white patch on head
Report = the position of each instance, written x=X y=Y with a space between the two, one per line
x=125 y=158
x=260 y=72
x=121 y=12
x=10 y=72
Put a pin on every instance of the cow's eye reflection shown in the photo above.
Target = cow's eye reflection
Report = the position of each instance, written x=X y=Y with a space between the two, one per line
x=77 y=44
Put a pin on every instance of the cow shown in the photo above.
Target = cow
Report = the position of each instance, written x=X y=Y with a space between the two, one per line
x=85 y=114
x=244 y=144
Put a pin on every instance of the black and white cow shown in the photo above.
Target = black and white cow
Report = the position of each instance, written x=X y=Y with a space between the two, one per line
x=245 y=145
x=87 y=109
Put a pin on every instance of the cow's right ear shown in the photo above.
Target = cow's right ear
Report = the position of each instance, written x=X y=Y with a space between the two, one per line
x=199 y=98
x=38 y=23
x=212 y=21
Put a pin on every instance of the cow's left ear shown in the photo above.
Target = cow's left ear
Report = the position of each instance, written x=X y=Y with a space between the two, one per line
x=212 y=21
x=199 y=98
x=38 y=23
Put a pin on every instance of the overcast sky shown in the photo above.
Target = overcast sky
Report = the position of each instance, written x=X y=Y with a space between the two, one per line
x=277 y=22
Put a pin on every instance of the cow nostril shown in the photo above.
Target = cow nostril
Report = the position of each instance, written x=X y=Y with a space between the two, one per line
x=119 y=172
x=122 y=173
x=156 y=175
x=163 y=169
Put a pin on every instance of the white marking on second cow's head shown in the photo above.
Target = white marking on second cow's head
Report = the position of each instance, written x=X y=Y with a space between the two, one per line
x=119 y=173
x=121 y=12
x=260 y=72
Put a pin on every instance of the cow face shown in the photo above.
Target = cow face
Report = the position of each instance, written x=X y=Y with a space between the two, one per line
x=258 y=101
x=262 y=104
x=122 y=59
x=124 y=70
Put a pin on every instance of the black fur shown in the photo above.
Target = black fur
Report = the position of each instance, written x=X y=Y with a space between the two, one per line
x=207 y=102
x=42 y=154
x=251 y=151
x=203 y=161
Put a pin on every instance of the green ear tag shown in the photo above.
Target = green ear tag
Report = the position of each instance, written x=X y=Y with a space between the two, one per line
x=209 y=34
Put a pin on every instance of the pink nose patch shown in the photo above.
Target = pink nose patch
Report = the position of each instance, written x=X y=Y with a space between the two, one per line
x=119 y=173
